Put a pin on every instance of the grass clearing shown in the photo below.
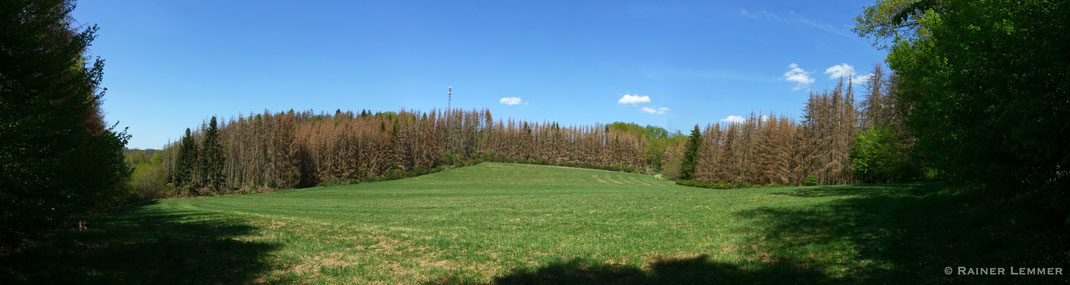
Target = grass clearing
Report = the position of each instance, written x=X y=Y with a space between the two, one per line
x=513 y=223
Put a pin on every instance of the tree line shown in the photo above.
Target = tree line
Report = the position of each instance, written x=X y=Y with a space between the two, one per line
x=299 y=149
x=295 y=149
x=778 y=150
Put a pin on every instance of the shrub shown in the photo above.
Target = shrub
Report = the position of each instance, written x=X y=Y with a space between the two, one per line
x=672 y=168
x=878 y=156
x=148 y=182
x=449 y=158
x=811 y=180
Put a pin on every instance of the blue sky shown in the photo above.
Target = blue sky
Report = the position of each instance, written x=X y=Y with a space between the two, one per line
x=173 y=64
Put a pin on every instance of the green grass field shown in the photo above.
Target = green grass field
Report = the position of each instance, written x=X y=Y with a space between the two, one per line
x=510 y=223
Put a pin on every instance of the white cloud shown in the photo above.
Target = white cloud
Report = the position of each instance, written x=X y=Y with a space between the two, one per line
x=650 y=110
x=633 y=99
x=840 y=71
x=859 y=79
x=733 y=119
x=801 y=77
x=512 y=101
x=844 y=70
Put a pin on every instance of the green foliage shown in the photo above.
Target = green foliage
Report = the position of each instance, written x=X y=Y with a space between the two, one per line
x=690 y=157
x=186 y=162
x=987 y=86
x=148 y=178
x=650 y=132
x=878 y=156
x=891 y=19
x=673 y=168
x=811 y=180
x=449 y=159
x=655 y=153
x=394 y=129
x=657 y=141
x=148 y=181
x=59 y=160
x=211 y=157
x=157 y=157
x=138 y=156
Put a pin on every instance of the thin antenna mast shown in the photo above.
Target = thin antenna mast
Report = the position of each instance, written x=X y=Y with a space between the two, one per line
x=449 y=100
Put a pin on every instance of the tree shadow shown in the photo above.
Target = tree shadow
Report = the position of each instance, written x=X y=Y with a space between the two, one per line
x=910 y=233
x=695 y=270
x=871 y=234
x=143 y=245
x=833 y=191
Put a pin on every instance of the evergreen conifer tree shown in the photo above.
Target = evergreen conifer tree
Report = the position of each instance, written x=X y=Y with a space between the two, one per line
x=687 y=164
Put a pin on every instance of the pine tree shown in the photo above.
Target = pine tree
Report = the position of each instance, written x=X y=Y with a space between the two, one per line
x=211 y=157
x=58 y=158
x=187 y=160
x=687 y=166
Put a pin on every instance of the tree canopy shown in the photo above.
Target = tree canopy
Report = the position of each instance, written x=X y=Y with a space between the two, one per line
x=987 y=87
x=58 y=159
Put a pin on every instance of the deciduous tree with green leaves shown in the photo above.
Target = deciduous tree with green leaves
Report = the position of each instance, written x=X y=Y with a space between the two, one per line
x=878 y=156
x=988 y=85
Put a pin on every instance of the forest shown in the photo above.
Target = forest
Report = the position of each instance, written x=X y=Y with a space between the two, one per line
x=257 y=152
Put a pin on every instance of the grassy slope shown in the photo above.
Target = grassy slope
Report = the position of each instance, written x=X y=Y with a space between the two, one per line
x=522 y=223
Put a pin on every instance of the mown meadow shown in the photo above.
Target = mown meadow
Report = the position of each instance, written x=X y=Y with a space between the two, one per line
x=514 y=223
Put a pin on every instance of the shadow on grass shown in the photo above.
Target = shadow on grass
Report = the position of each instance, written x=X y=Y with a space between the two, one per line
x=909 y=233
x=142 y=245
x=883 y=234
x=833 y=191
x=695 y=270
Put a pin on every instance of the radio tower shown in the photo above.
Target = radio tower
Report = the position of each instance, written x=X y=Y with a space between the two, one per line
x=449 y=99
